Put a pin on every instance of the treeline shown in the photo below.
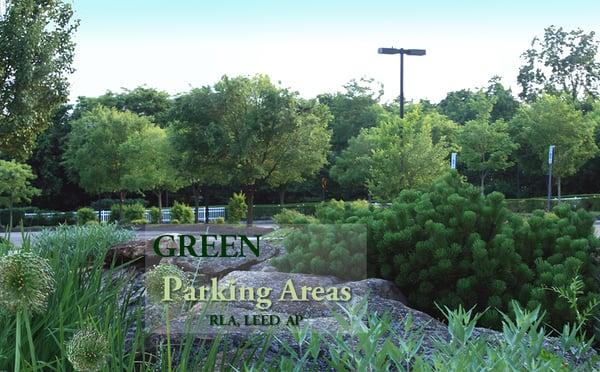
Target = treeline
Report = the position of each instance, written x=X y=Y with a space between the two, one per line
x=249 y=134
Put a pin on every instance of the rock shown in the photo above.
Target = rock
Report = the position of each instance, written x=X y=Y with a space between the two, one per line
x=383 y=298
x=139 y=252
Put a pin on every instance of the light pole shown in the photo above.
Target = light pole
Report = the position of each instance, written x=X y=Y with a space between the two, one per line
x=402 y=52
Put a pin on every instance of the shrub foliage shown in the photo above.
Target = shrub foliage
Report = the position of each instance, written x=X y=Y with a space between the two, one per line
x=86 y=214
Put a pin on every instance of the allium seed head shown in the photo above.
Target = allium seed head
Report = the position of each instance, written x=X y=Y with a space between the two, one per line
x=155 y=281
x=26 y=281
x=87 y=350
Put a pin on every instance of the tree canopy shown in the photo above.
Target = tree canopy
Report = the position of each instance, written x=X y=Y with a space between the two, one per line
x=98 y=154
x=36 y=53
x=561 y=61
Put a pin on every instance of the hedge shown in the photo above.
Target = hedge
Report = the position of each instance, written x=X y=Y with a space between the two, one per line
x=528 y=205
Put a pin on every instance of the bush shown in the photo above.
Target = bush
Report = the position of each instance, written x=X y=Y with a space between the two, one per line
x=86 y=214
x=133 y=212
x=267 y=211
x=452 y=246
x=236 y=209
x=141 y=221
x=339 y=250
x=290 y=216
x=91 y=223
x=339 y=211
x=154 y=215
x=219 y=220
x=182 y=213
x=175 y=221
x=116 y=213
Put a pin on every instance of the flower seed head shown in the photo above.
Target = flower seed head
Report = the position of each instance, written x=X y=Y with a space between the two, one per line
x=26 y=281
x=88 y=350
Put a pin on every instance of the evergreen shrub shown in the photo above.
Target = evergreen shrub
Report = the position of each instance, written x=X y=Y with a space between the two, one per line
x=321 y=249
x=451 y=246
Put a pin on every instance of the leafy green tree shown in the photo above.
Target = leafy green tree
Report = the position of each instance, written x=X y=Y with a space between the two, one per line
x=397 y=154
x=270 y=132
x=36 y=52
x=98 y=155
x=149 y=102
x=15 y=185
x=553 y=120
x=465 y=105
x=352 y=110
x=562 y=61
x=486 y=147
x=149 y=160
x=199 y=141
x=46 y=163
x=353 y=166
x=505 y=105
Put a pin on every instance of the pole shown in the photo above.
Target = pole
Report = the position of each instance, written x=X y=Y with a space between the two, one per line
x=549 y=207
x=550 y=162
x=401 y=83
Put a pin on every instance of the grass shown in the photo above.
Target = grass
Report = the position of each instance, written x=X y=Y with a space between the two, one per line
x=89 y=295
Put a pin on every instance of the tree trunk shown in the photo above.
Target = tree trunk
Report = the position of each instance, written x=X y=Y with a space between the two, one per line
x=196 y=202
x=159 y=196
x=10 y=219
x=121 y=204
x=206 y=206
x=166 y=198
x=250 y=202
x=482 y=184
x=558 y=188
x=282 y=194
x=518 y=181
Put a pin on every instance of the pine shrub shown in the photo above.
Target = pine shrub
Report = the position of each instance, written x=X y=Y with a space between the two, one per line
x=338 y=250
x=451 y=246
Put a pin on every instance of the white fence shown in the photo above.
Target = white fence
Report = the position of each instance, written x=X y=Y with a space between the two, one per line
x=104 y=216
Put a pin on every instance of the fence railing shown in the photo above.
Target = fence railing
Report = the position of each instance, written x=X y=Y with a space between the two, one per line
x=104 y=216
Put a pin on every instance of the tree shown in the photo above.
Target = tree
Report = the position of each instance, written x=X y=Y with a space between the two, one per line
x=505 y=105
x=36 y=52
x=96 y=156
x=554 y=120
x=270 y=132
x=405 y=158
x=465 y=105
x=15 y=185
x=353 y=166
x=149 y=102
x=486 y=147
x=149 y=159
x=199 y=141
x=352 y=110
x=564 y=61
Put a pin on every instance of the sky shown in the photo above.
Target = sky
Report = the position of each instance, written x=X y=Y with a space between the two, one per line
x=310 y=46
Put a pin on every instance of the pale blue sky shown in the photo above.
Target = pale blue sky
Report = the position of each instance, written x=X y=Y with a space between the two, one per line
x=311 y=46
